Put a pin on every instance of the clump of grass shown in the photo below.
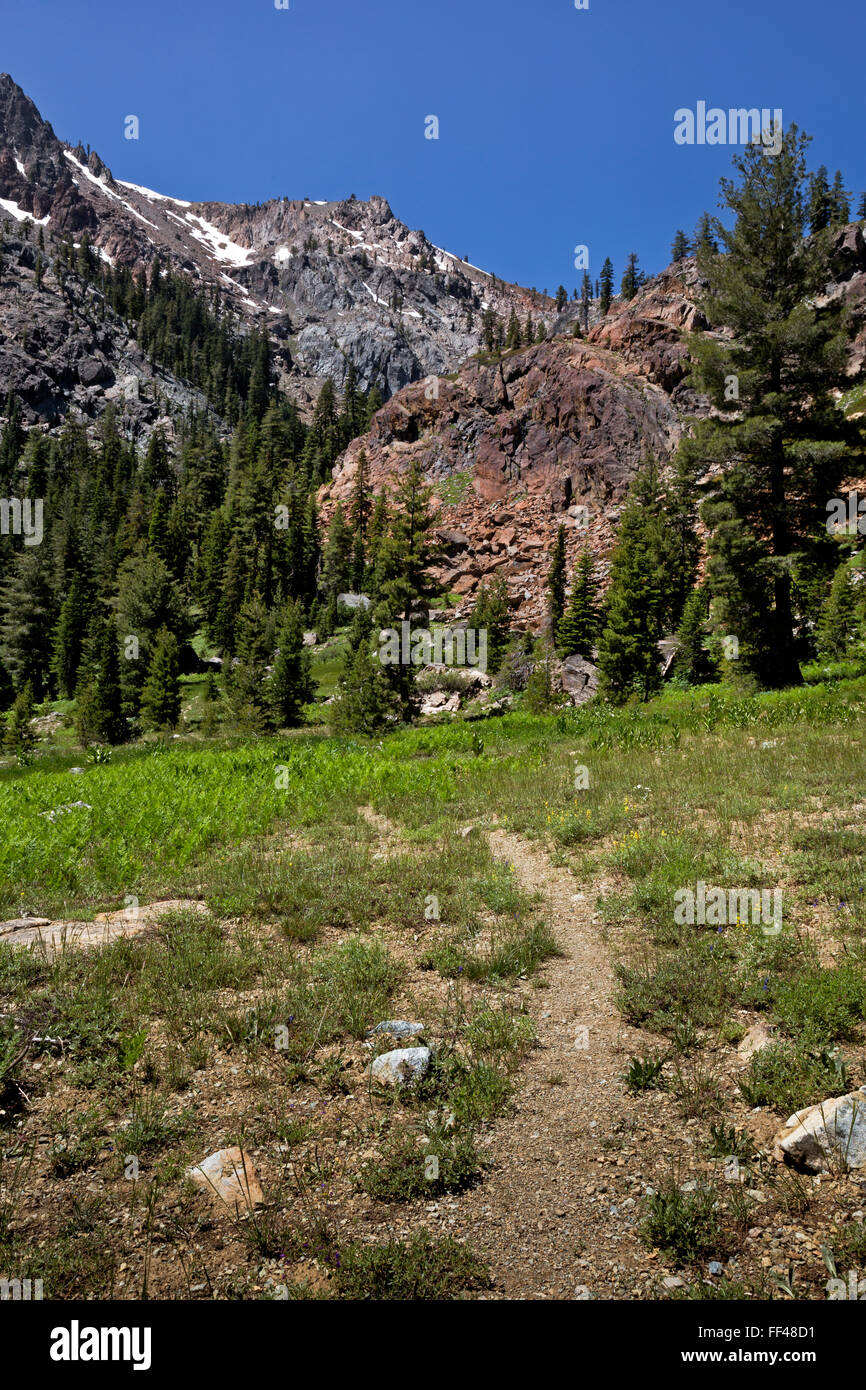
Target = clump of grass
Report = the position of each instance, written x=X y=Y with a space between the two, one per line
x=422 y=1267
x=685 y=1225
x=691 y=984
x=445 y=1159
x=787 y=1076
x=823 y=1003
x=514 y=950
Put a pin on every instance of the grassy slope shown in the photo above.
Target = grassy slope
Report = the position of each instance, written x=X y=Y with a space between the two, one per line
x=315 y=921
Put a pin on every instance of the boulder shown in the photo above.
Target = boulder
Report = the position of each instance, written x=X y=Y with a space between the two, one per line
x=403 y=1067
x=830 y=1136
x=578 y=678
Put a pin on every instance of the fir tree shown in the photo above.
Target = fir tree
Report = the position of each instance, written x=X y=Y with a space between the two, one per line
x=247 y=683
x=160 y=699
x=692 y=661
x=578 y=627
x=291 y=683
x=365 y=699
x=69 y=637
x=820 y=208
x=632 y=277
x=704 y=240
x=18 y=734
x=99 y=699
x=491 y=613
x=628 y=655
x=837 y=628
x=681 y=246
x=337 y=555
x=561 y=298
x=556 y=581
x=840 y=206
x=785 y=436
x=605 y=284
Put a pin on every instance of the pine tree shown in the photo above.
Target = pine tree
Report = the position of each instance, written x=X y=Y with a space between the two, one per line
x=840 y=206
x=785 y=436
x=556 y=581
x=18 y=734
x=365 y=699
x=513 y=336
x=692 y=661
x=837 y=627
x=157 y=533
x=628 y=654
x=561 y=298
x=605 y=284
x=632 y=278
x=491 y=613
x=337 y=556
x=578 y=627
x=820 y=208
x=681 y=246
x=160 y=699
x=585 y=299
x=247 y=684
x=98 y=697
x=861 y=207
x=69 y=636
x=704 y=240
x=292 y=682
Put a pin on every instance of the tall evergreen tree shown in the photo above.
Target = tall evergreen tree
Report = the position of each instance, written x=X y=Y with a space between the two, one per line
x=632 y=278
x=692 y=661
x=556 y=577
x=605 y=283
x=628 y=655
x=578 y=627
x=292 y=682
x=161 y=698
x=837 y=628
x=99 y=699
x=247 y=681
x=781 y=442
x=839 y=201
x=820 y=207
x=69 y=637
x=681 y=246
x=491 y=613
x=365 y=700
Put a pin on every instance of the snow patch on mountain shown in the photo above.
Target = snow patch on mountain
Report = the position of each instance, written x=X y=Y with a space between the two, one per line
x=20 y=215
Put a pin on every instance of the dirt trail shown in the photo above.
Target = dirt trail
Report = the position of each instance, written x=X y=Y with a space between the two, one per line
x=543 y=1216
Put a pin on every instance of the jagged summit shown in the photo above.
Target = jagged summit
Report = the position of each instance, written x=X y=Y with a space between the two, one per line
x=345 y=281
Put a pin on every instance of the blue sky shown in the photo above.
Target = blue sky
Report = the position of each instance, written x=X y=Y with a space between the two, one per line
x=556 y=124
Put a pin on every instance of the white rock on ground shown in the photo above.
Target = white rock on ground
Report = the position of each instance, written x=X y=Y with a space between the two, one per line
x=828 y=1136
x=398 y=1028
x=230 y=1178
x=401 y=1067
